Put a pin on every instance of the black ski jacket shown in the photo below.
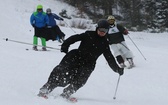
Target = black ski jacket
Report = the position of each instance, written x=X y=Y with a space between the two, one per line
x=91 y=47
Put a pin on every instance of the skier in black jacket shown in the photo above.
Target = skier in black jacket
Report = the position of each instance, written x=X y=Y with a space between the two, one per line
x=78 y=64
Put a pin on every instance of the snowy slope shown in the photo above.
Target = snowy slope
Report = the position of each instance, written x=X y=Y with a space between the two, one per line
x=24 y=72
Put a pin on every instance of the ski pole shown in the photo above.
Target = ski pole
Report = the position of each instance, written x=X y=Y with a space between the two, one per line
x=116 y=88
x=28 y=43
x=136 y=47
x=69 y=27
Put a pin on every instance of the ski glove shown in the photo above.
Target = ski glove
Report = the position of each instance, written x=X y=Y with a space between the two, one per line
x=62 y=19
x=120 y=71
x=33 y=26
x=64 y=49
x=46 y=26
x=125 y=32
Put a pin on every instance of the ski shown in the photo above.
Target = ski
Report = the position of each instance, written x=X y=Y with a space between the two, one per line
x=72 y=99
x=45 y=97
x=36 y=50
x=42 y=96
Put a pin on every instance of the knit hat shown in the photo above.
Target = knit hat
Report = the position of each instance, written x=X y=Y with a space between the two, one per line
x=39 y=7
x=103 y=23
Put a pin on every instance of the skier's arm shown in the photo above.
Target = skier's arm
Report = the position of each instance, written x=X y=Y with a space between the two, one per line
x=122 y=29
x=111 y=61
x=47 y=20
x=32 y=19
x=69 y=41
x=57 y=17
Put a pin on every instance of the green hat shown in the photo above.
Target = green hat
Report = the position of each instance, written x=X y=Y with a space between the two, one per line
x=39 y=7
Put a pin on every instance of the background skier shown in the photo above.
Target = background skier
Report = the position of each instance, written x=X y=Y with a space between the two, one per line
x=117 y=43
x=39 y=20
x=53 y=31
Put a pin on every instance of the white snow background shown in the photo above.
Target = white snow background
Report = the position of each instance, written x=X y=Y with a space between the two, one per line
x=24 y=72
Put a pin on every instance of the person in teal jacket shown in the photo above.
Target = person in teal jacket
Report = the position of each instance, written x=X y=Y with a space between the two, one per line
x=39 y=20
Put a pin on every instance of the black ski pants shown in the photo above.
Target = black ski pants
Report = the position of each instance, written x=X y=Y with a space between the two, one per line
x=53 y=32
x=40 y=32
x=73 y=70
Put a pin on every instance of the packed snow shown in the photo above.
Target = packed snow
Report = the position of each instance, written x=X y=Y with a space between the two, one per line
x=23 y=71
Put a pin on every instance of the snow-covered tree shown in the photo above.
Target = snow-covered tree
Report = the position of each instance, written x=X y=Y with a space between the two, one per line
x=156 y=13
x=134 y=13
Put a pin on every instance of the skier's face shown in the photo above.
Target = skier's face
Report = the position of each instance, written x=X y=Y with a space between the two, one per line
x=102 y=31
x=48 y=12
x=40 y=10
x=111 y=21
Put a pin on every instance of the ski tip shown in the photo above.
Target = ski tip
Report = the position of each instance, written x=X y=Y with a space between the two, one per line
x=73 y=100
x=42 y=96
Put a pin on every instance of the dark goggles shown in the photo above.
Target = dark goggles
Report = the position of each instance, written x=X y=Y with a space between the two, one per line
x=48 y=12
x=40 y=9
x=103 y=30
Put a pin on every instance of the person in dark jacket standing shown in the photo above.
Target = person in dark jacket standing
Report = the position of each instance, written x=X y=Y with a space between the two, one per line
x=117 y=43
x=78 y=64
x=39 y=20
x=53 y=30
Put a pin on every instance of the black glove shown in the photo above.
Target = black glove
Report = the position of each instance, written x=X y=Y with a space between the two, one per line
x=33 y=26
x=46 y=25
x=121 y=71
x=125 y=32
x=64 y=49
x=62 y=19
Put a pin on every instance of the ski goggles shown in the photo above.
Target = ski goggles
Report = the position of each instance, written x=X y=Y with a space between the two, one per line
x=39 y=9
x=103 y=30
x=48 y=12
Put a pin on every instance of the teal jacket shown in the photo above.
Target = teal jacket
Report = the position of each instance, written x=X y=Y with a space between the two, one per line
x=39 y=19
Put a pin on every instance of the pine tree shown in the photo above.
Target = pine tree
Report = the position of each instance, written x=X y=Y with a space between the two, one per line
x=157 y=14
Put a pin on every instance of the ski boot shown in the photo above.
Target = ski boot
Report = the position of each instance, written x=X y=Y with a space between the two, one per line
x=44 y=49
x=67 y=92
x=122 y=65
x=67 y=95
x=43 y=93
x=131 y=63
x=35 y=48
